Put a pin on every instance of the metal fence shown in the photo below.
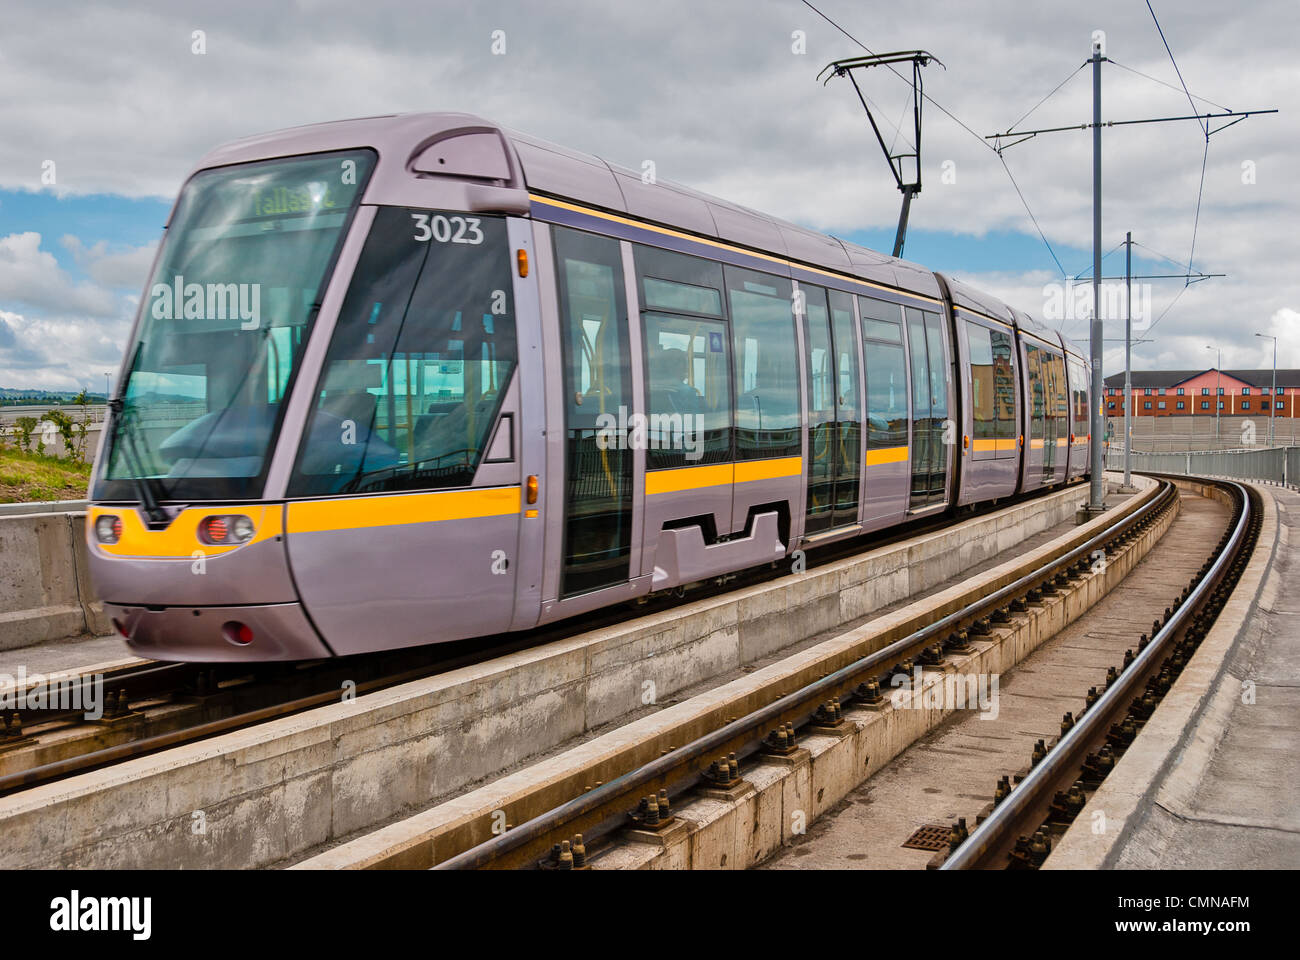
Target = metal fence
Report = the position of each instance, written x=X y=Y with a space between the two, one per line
x=1276 y=464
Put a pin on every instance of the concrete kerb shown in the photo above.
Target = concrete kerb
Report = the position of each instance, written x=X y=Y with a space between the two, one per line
x=433 y=834
x=43 y=506
x=299 y=782
x=1167 y=760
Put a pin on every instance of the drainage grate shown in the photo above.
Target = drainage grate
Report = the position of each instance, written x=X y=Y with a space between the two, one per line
x=932 y=836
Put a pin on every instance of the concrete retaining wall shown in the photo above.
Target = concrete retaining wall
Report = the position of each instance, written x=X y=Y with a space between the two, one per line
x=743 y=832
x=45 y=591
x=279 y=789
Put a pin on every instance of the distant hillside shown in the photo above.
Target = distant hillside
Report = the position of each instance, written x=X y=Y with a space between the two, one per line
x=12 y=396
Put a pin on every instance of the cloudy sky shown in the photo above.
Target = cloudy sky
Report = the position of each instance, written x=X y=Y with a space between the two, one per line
x=721 y=96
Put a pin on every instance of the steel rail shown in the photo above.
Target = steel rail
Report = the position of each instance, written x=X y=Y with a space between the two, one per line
x=130 y=750
x=143 y=681
x=1030 y=791
x=140 y=680
x=807 y=696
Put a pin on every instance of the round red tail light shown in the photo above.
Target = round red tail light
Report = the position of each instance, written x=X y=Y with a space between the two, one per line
x=233 y=530
x=240 y=634
x=215 y=529
x=121 y=628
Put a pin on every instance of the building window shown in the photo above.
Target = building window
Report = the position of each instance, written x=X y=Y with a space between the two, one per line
x=1110 y=405
x=1146 y=392
x=1181 y=391
x=1220 y=394
x=1147 y=405
x=1181 y=405
x=1205 y=404
x=1245 y=404
x=1220 y=404
x=1161 y=404
x=1245 y=391
x=1280 y=390
x=1162 y=391
x=1278 y=405
x=1205 y=391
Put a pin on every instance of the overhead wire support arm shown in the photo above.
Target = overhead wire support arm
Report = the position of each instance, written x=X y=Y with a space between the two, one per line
x=908 y=186
x=1191 y=277
x=1200 y=118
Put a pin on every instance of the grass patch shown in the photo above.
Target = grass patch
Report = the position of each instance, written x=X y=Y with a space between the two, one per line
x=28 y=477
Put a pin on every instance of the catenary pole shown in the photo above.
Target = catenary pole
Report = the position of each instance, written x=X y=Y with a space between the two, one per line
x=1128 y=360
x=1096 y=496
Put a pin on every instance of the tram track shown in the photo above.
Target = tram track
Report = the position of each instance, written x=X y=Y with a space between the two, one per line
x=1018 y=830
x=154 y=706
x=602 y=805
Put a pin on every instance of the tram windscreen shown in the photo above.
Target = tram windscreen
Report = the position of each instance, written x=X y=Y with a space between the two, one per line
x=421 y=356
x=225 y=318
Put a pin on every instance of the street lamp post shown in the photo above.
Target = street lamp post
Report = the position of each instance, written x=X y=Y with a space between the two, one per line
x=1218 y=380
x=1272 y=398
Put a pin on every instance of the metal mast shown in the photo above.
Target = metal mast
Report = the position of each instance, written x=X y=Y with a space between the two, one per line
x=1128 y=361
x=1097 y=491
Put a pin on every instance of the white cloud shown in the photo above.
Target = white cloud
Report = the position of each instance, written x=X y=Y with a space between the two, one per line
x=62 y=335
x=61 y=352
x=31 y=276
x=127 y=269
x=713 y=94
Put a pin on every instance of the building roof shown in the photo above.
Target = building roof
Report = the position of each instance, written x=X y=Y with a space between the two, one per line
x=1172 y=378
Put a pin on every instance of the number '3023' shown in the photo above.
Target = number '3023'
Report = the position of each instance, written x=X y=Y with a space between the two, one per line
x=447 y=229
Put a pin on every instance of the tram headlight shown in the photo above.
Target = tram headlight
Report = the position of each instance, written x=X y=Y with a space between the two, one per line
x=241 y=529
x=108 y=529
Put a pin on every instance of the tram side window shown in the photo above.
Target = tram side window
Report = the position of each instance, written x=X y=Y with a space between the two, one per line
x=1004 y=385
x=422 y=353
x=678 y=283
x=993 y=387
x=886 y=395
x=1037 y=407
x=940 y=371
x=886 y=365
x=688 y=391
x=766 y=358
x=881 y=319
x=1062 y=398
x=1080 y=391
x=687 y=359
x=983 y=407
x=821 y=368
x=1058 y=403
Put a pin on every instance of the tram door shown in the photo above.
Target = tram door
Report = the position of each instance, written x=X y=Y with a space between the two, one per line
x=1051 y=422
x=931 y=429
x=598 y=392
x=834 y=420
x=1035 y=451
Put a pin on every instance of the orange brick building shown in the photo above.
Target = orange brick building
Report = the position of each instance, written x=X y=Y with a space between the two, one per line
x=1174 y=393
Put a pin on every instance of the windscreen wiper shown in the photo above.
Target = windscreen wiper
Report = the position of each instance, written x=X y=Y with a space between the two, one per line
x=123 y=429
